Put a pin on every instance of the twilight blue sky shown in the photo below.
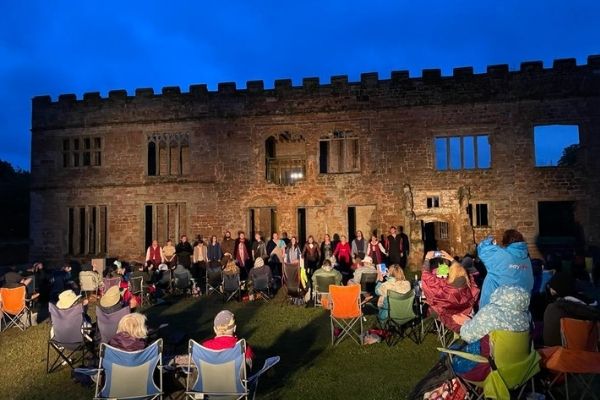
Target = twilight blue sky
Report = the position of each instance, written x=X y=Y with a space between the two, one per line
x=54 y=47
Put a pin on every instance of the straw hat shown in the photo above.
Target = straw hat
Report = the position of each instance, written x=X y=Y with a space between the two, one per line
x=367 y=260
x=111 y=297
x=66 y=299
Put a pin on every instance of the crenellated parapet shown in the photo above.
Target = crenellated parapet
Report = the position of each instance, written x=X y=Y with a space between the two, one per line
x=531 y=81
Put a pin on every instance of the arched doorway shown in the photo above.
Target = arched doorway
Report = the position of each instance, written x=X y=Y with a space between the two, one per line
x=436 y=235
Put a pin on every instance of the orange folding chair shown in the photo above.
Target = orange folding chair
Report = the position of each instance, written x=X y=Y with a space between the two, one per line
x=346 y=313
x=578 y=357
x=13 y=304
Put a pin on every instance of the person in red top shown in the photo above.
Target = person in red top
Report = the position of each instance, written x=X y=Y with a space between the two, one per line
x=154 y=254
x=376 y=250
x=343 y=256
x=224 y=327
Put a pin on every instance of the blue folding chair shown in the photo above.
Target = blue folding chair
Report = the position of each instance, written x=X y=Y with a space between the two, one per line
x=127 y=374
x=221 y=373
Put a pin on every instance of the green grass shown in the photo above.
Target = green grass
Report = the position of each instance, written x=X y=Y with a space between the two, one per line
x=310 y=367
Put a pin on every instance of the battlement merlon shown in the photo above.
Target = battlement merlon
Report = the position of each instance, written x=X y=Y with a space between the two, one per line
x=498 y=83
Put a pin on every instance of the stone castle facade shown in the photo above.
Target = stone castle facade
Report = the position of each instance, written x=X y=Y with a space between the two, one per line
x=450 y=158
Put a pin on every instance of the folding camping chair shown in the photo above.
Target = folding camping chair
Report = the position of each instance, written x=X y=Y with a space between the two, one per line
x=578 y=357
x=182 y=283
x=291 y=282
x=214 y=280
x=67 y=337
x=368 y=280
x=14 y=308
x=107 y=323
x=322 y=288
x=262 y=287
x=89 y=281
x=346 y=313
x=128 y=374
x=513 y=362
x=136 y=288
x=232 y=287
x=221 y=373
x=107 y=283
x=402 y=320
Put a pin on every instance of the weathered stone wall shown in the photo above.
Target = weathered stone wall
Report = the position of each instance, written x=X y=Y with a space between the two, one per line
x=395 y=119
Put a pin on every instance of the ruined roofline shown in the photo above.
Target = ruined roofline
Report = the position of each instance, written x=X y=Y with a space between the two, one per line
x=367 y=81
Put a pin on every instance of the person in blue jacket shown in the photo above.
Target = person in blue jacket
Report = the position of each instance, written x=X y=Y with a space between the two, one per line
x=507 y=265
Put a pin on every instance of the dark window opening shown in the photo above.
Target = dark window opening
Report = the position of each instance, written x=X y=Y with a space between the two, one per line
x=82 y=152
x=433 y=201
x=285 y=159
x=301 y=226
x=252 y=227
x=351 y=223
x=557 y=218
x=478 y=215
x=149 y=228
x=323 y=153
x=339 y=155
x=71 y=234
x=152 y=159
x=82 y=231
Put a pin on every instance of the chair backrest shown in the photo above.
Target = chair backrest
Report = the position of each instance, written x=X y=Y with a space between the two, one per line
x=219 y=371
x=88 y=281
x=129 y=374
x=260 y=282
x=110 y=282
x=323 y=283
x=182 y=281
x=231 y=283
x=291 y=276
x=135 y=284
x=514 y=356
x=107 y=323
x=66 y=324
x=368 y=280
x=213 y=276
x=13 y=299
x=579 y=334
x=401 y=306
x=345 y=301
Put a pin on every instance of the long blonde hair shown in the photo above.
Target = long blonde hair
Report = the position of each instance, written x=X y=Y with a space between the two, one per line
x=134 y=325
x=456 y=271
x=396 y=272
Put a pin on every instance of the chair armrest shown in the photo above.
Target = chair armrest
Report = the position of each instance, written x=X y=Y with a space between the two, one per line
x=468 y=356
x=88 y=371
x=269 y=362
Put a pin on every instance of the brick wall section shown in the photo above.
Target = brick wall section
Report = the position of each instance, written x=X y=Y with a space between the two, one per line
x=396 y=120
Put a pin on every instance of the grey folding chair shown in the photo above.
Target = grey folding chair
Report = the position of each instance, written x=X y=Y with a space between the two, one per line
x=67 y=337
x=322 y=287
x=107 y=323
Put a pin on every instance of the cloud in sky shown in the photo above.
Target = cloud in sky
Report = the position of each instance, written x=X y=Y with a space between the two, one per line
x=75 y=47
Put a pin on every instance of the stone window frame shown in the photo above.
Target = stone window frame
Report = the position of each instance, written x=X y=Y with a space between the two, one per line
x=78 y=230
x=344 y=137
x=567 y=122
x=161 y=210
x=74 y=151
x=276 y=168
x=433 y=205
x=462 y=134
x=473 y=218
x=179 y=140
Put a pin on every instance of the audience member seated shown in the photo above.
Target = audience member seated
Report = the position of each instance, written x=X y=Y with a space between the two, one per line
x=367 y=266
x=13 y=279
x=259 y=271
x=60 y=281
x=121 y=271
x=396 y=281
x=224 y=327
x=507 y=310
x=454 y=293
x=568 y=304
x=113 y=300
x=68 y=299
x=508 y=265
x=231 y=268
x=131 y=333
x=87 y=270
x=326 y=270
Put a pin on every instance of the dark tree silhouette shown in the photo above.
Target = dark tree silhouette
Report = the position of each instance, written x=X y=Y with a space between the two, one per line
x=569 y=156
x=14 y=202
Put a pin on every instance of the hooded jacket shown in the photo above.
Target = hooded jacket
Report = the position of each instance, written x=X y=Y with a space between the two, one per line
x=506 y=311
x=508 y=266
x=126 y=342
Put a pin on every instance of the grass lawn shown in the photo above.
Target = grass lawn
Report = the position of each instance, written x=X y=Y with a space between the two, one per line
x=309 y=368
